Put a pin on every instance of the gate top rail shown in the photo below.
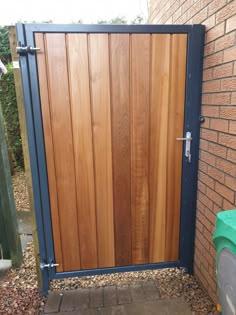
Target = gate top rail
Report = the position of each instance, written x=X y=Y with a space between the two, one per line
x=109 y=28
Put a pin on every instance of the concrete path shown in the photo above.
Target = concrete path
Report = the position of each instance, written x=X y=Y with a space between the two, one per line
x=25 y=228
x=138 y=299
x=25 y=231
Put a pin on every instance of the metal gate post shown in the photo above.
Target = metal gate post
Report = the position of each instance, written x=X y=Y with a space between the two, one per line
x=192 y=122
x=44 y=281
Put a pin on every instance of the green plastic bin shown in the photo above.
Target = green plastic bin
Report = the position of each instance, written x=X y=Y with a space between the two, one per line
x=224 y=239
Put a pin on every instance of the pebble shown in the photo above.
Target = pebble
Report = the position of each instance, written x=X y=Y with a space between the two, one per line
x=20 y=191
x=19 y=292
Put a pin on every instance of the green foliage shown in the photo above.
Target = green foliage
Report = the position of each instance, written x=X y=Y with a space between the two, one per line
x=8 y=101
x=122 y=20
x=138 y=20
x=37 y=22
x=80 y=21
x=5 y=52
x=10 y=113
x=116 y=20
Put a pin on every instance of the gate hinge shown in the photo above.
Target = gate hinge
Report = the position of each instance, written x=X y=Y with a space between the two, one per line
x=44 y=265
x=23 y=50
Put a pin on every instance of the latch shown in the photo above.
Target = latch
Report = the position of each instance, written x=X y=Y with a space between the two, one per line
x=23 y=50
x=44 y=265
x=188 y=140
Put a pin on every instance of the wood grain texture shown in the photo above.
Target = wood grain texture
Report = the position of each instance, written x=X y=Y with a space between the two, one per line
x=119 y=67
x=49 y=148
x=140 y=64
x=101 y=120
x=112 y=108
x=83 y=147
x=158 y=144
x=174 y=153
x=63 y=148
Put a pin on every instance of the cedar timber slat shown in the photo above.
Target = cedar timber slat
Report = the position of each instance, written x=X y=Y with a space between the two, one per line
x=120 y=109
x=101 y=121
x=48 y=138
x=140 y=59
x=174 y=153
x=83 y=147
x=158 y=145
x=63 y=148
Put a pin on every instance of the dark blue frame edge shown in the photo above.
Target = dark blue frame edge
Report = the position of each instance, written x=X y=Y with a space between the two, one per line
x=25 y=33
x=33 y=156
x=191 y=123
x=109 y=270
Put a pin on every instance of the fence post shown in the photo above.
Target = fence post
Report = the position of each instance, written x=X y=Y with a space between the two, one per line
x=10 y=238
x=22 y=119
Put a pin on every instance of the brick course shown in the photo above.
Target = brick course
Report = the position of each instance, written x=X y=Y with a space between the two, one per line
x=217 y=155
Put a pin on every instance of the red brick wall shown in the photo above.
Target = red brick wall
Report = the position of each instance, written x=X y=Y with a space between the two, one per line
x=217 y=165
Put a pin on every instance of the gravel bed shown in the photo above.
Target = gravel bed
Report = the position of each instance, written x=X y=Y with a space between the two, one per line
x=20 y=191
x=19 y=292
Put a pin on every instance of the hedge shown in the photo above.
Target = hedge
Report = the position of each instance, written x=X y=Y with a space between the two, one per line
x=8 y=101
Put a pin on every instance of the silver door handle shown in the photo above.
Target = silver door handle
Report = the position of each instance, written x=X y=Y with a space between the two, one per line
x=188 y=140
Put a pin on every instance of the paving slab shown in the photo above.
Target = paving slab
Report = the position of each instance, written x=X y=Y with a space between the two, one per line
x=53 y=303
x=96 y=297
x=137 y=292
x=24 y=222
x=109 y=295
x=135 y=299
x=150 y=290
x=74 y=300
x=176 y=306
x=89 y=311
x=5 y=265
x=123 y=295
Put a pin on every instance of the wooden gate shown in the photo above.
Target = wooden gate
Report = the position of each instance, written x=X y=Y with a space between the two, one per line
x=108 y=106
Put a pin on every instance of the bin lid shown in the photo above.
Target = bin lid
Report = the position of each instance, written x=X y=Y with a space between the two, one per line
x=228 y=217
x=225 y=229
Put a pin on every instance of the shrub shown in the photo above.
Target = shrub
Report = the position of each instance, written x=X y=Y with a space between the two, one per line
x=10 y=114
x=8 y=101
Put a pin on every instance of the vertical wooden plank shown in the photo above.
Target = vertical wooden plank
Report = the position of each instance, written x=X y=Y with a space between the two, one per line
x=119 y=62
x=83 y=147
x=48 y=138
x=158 y=145
x=63 y=148
x=101 y=117
x=174 y=153
x=140 y=64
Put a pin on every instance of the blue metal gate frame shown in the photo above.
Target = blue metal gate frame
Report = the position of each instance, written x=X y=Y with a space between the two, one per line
x=28 y=65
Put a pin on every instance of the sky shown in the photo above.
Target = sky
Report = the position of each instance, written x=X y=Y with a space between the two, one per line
x=68 y=11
